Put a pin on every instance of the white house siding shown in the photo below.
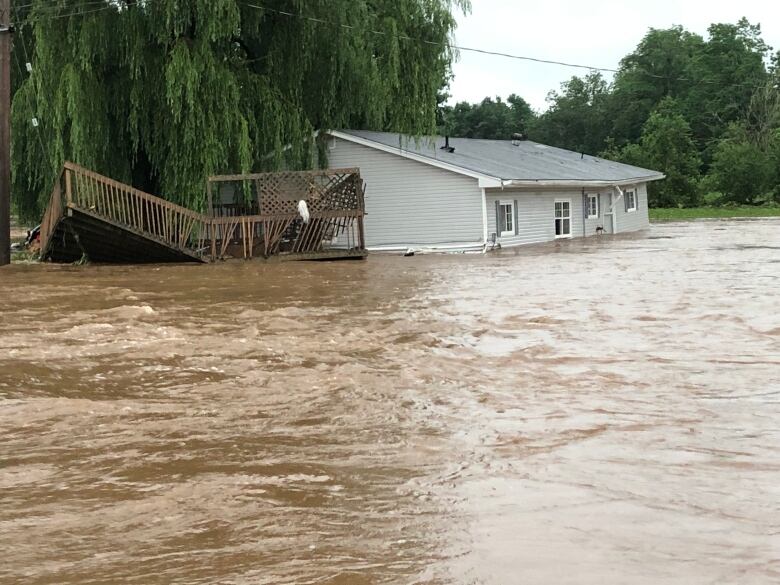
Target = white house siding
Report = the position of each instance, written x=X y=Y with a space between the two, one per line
x=412 y=204
x=635 y=220
x=535 y=214
x=592 y=224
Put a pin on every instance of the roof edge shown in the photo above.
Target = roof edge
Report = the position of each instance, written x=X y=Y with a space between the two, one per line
x=485 y=181
x=580 y=183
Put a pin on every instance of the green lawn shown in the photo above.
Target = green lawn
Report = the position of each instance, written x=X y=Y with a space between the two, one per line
x=712 y=212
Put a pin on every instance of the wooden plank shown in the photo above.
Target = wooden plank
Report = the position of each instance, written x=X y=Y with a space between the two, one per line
x=68 y=186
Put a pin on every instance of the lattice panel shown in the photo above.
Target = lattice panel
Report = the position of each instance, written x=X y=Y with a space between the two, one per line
x=279 y=193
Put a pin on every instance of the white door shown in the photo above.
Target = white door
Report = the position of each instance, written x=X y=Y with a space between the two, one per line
x=563 y=218
x=609 y=214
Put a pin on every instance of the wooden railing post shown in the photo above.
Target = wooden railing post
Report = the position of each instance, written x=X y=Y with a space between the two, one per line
x=68 y=185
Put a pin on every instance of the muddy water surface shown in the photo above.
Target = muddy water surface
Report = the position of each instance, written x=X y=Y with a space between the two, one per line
x=597 y=412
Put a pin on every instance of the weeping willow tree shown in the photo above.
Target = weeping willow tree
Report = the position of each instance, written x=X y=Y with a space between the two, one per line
x=162 y=93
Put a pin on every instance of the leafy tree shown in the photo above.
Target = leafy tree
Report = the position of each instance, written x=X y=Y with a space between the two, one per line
x=659 y=67
x=523 y=116
x=725 y=73
x=741 y=170
x=162 y=93
x=762 y=118
x=666 y=145
x=491 y=119
x=577 y=115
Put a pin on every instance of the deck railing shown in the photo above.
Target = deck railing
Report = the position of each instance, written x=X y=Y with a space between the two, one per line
x=52 y=216
x=151 y=216
x=210 y=237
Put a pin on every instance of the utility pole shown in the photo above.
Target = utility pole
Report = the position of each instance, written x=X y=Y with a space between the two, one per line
x=6 y=30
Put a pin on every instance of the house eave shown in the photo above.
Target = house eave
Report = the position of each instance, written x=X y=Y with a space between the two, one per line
x=485 y=181
x=567 y=183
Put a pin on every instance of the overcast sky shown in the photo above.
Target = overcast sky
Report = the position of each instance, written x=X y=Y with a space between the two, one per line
x=591 y=32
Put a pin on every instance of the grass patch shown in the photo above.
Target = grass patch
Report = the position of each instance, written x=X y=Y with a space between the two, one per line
x=713 y=212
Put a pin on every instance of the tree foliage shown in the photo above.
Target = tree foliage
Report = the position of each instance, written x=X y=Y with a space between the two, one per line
x=666 y=143
x=658 y=68
x=575 y=118
x=163 y=93
x=705 y=111
x=741 y=170
x=491 y=119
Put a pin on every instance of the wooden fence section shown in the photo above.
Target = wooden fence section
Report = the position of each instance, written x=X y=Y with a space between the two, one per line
x=334 y=198
x=275 y=228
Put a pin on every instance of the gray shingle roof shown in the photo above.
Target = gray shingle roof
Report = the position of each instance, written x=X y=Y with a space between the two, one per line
x=501 y=159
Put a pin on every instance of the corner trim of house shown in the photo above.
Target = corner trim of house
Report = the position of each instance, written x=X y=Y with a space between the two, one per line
x=484 y=218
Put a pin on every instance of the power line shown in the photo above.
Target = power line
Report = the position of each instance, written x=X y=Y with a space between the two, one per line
x=55 y=7
x=42 y=14
x=38 y=130
x=462 y=48
x=429 y=42
x=39 y=16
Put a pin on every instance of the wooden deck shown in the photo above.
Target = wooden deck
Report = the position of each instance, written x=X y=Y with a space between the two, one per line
x=94 y=217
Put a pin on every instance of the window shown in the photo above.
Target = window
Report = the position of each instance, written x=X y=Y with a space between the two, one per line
x=506 y=218
x=563 y=218
x=593 y=206
x=630 y=201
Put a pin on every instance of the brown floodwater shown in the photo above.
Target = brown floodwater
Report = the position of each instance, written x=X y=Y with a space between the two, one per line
x=589 y=412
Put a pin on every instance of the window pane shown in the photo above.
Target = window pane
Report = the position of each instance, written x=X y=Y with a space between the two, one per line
x=508 y=219
x=566 y=227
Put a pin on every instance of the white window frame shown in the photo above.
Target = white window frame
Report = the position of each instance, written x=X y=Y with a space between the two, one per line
x=569 y=217
x=591 y=199
x=633 y=206
x=503 y=232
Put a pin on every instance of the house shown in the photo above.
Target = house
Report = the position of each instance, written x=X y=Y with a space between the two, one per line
x=458 y=194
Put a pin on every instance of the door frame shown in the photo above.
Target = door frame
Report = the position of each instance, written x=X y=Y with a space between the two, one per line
x=612 y=213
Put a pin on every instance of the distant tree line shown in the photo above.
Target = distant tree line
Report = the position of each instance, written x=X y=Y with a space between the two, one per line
x=704 y=111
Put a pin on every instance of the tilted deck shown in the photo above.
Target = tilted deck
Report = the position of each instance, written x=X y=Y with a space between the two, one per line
x=93 y=216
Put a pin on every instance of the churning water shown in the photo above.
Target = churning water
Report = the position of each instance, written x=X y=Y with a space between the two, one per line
x=590 y=412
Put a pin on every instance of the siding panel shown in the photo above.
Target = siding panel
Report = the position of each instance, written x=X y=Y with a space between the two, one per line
x=635 y=220
x=596 y=222
x=410 y=204
x=536 y=214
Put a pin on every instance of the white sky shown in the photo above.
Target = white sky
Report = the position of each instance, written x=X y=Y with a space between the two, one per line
x=590 y=32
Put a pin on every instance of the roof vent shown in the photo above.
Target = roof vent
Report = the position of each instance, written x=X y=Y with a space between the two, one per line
x=447 y=146
x=517 y=138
